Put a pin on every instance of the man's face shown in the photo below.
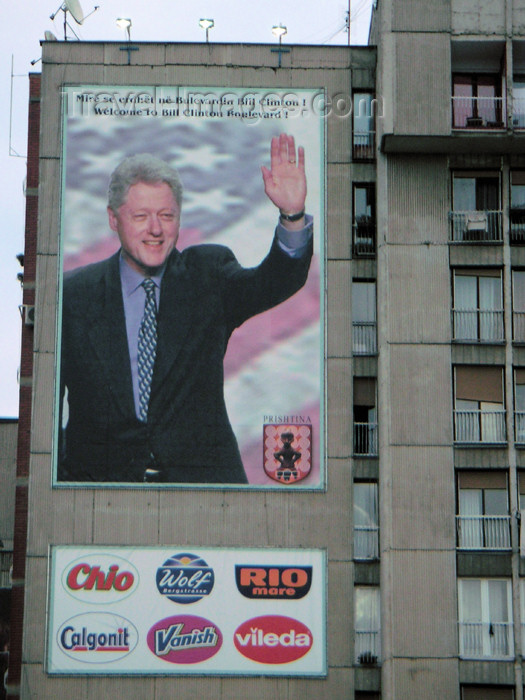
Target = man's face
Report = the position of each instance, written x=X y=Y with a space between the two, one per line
x=147 y=225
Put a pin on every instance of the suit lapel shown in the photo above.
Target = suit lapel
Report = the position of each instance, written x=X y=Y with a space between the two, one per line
x=108 y=337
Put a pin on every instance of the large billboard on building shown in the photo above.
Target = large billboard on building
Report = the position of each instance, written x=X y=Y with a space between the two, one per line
x=151 y=388
x=163 y=611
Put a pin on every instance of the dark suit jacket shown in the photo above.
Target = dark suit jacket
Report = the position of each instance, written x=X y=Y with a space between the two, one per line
x=205 y=295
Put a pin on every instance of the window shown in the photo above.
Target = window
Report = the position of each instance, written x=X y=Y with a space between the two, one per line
x=517 y=207
x=483 y=521
x=519 y=406
x=518 y=306
x=364 y=318
x=364 y=226
x=486 y=692
x=366 y=695
x=365 y=417
x=367 y=625
x=476 y=101
x=485 y=614
x=478 y=307
x=363 y=126
x=479 y=414
x=366 y=521
x=518 y=101
x=6 y=565
x=476 y=215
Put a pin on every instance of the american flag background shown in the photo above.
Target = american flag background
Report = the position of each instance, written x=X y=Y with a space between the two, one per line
x=273 y=366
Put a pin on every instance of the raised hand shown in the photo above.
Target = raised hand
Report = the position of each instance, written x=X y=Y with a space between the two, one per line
x=285 y=182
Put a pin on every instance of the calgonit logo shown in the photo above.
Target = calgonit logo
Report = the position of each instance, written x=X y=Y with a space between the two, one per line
x=97 y=637
x=185 y=578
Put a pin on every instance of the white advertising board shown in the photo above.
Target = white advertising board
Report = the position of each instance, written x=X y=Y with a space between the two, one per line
x=180 y=610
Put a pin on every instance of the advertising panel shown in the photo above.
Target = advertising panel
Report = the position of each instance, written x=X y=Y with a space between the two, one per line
x=161 y=611
x=190 y=324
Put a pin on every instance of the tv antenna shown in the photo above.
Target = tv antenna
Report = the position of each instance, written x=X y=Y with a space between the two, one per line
x=75 y=10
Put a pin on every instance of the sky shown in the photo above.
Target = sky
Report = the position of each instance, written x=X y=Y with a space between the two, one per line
x=23 y=25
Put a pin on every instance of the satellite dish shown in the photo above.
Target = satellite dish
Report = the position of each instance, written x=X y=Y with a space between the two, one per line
x=75 y=10
x=49 y=36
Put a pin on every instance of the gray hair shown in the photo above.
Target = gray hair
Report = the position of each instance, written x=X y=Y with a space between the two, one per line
x=142 y=167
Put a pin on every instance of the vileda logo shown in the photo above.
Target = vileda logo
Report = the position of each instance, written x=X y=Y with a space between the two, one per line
x=184 y=639
x=273 y=639
x=276 y=582
x=97 y=637
x=100 y=578
x=185 y=578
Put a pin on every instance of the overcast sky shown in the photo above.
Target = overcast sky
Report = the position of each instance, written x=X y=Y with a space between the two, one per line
x=23 y=25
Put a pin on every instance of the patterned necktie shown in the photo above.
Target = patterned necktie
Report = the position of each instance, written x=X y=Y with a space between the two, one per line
x=147 y=347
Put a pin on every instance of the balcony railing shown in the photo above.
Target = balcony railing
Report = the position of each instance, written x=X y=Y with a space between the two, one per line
x=518 y=326
x=364 y=239
x=366 y=542
x=486 y=640
x=476 y=227
x=365 y=439
x=518 y=112
x=367 y=647
x=477 y=426
x=364 y=337
x=517 y=225
x=478 y=112
x=519 y=427
x=363 y=145
x=483 y=532
x=481 y=325
x=6 y=563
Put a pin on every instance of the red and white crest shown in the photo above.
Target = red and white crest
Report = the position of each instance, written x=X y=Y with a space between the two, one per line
x=287 y=451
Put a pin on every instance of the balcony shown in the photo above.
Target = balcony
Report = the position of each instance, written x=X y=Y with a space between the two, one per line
x=476 y=227
x=478 y=112
x=367 y=647
x=364 y=238
x=363 y=145
x=365 y=439
x=518 y=112
x=483 y=532
x=366 y=542
x=517 y=226
x=519 y=427
x=479 y=426
x=364 y=338
x=486 y=640
x=478 y=325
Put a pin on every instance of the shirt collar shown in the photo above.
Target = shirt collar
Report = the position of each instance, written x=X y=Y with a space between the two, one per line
x=132 y=280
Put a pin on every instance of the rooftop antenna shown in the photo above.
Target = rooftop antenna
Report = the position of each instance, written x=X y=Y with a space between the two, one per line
x=75 y=10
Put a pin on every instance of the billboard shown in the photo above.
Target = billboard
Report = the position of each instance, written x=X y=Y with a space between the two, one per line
x=205 y=611
x=220 y=383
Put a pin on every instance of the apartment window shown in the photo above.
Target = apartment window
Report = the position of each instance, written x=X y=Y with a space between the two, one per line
x=485 y=619
x=518 y=306
x=364 y=224
x=477 y=101
x=517 y=207
x=365 y=417
x=479 y=414
x=486 y=692
x=519 y=406
x=518 y=101
x=366 y=695
x=366 y=521
x=478 y=307
x=6 y=565
x=476 y=215
x=363 y=106
x=364 y=332
x=483 y=520
x=367 y=625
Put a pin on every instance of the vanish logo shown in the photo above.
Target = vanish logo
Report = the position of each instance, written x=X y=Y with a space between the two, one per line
x=184 y=639
x=273 y=639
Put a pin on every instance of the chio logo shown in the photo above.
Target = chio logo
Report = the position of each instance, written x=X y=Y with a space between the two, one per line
x=100 y=579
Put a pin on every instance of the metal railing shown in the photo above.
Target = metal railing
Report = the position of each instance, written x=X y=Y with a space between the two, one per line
x=478 y=112
x=477 y=426
x=483 y=532
x=486 y=640
x=476 y=227
x=364 y=239
x=365 y=439
x=518 y=326
x=518 y=112
x=367 y=647
x=363 y=145
x=6 y=563
x=519 y=427
x=481 y=325
x=366 y=542
x=364 y=338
